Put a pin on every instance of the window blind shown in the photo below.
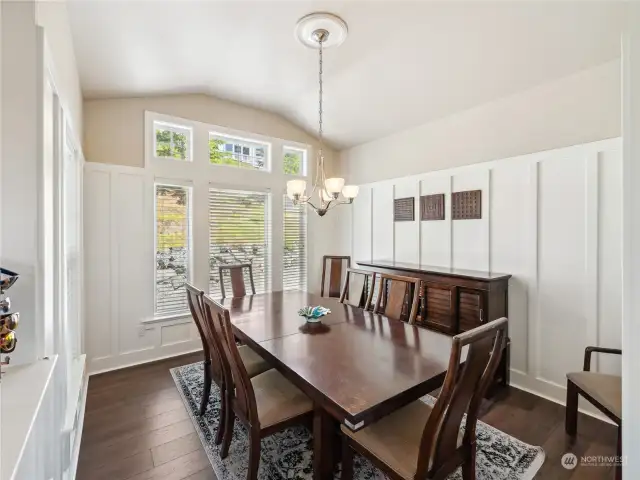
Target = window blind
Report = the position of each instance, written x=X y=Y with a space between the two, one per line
x=239 y=232
x=173 y=248
x=294 y=268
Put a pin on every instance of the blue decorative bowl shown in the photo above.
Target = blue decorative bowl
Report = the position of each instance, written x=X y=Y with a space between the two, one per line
x=313 y=314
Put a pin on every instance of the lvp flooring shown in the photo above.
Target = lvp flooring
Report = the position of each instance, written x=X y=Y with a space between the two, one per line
x=137 y=428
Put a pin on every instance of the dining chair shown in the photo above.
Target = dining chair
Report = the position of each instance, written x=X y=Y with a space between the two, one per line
x=265 y=404
x=336 y=266
x=213 y=360
x=602 y=390
x=423 y=442
x=394 y=293
x=236 y=274
x=358 y=288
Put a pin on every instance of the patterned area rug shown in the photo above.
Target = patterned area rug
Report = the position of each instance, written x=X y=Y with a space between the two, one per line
x=288 y=454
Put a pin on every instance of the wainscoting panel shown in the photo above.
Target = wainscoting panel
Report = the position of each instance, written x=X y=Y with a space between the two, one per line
x=475 y=254
x=382 y=221
x=361 y=227
x=552 y=220
x=435 y=235
x=406 y=249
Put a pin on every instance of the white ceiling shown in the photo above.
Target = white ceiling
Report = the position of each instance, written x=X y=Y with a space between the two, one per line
x=404 y=63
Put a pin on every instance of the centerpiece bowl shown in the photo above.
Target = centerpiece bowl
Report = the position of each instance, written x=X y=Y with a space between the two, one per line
x=313 y=314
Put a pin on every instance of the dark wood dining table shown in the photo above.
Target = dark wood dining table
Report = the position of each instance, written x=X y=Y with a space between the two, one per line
x=355 y=366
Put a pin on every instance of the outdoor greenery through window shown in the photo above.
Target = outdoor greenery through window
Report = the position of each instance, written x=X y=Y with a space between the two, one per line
x=172 y=141
x=173 y=245
x=294 y=271
x=239 y=232
x=295 y=161
x=237 y=153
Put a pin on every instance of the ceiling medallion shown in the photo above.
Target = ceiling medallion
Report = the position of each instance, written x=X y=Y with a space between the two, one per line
x=320 y=31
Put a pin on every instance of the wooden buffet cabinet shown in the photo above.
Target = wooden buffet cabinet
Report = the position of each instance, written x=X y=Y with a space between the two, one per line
x=453 y=300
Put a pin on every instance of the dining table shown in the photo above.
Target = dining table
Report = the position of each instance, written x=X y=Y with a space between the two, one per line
x=356 y=366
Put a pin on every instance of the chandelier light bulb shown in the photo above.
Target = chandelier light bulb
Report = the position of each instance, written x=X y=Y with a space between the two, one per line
x=334 y=185
x=350 y=191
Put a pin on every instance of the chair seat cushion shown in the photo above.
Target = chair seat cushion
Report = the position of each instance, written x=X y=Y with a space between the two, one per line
x=277 y=399
x=605 y=389
x=253 y=362
x=395 y=439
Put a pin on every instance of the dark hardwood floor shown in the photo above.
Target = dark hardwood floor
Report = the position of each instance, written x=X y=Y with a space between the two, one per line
x=136 y=427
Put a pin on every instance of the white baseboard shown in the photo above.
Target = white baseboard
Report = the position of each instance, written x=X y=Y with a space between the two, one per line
x=139 y=357
x=552 y=392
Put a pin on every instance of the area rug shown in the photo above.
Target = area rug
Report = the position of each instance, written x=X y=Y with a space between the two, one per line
x=288 y=454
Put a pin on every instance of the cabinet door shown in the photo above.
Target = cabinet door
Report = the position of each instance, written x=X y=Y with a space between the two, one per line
x=438 y=307
x=471 y=308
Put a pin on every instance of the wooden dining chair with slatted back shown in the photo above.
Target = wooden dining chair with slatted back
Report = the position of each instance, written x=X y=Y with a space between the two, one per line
x=398 y=297
x=423 y=442
x=265 y=404
x=358 y=288
x=332 y=281
x=236 y=274
x=213 y=359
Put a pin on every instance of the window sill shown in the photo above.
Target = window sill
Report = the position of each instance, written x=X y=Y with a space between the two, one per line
x=173 y=319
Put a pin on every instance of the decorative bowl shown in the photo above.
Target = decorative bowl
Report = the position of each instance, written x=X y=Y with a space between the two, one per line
x=313 y=314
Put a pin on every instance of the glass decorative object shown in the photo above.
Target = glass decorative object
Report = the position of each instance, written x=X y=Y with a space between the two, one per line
x=313 y=314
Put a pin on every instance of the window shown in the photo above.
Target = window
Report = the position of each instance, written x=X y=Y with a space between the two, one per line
x=172 y=141
x=239 y=232
x=236 y=152
x=173 y=248
x=295 y=161
x=294 y=260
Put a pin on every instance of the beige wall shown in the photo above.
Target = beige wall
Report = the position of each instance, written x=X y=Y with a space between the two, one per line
x=53 y=17
x=581 y=108
x=114 y=128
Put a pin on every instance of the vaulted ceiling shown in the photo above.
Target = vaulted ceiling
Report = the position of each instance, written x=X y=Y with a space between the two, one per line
x=403 y=64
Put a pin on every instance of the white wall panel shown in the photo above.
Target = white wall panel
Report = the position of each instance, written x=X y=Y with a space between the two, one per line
x=382 y=223
x=561 y=266
x=362 y=225
x=552 y=220
x=435 y=235
x=609 y=260
x=406 y=249
x=97 y=244
x=470 y=238
x=132 y=267
x=508 y=250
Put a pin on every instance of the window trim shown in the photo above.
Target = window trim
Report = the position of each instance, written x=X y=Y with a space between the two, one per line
x=305 y=160
x=268 y=147
x=157 y=316
x=175 y=128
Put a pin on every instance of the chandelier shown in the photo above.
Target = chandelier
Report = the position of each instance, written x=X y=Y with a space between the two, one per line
x=320 y=31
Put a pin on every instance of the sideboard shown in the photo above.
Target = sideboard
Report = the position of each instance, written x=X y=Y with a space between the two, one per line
x=454 y=300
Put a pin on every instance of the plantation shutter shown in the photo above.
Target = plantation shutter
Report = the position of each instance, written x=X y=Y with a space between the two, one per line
x=239 y=232
x=294 y=271
x=173 y=245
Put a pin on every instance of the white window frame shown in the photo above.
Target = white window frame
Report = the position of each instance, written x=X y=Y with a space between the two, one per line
x=190 y=259
x=224 y=136
x=305 y=160
x=200 y=176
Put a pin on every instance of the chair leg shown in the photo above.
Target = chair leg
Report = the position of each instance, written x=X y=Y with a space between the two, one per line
x=207 y=387
x=254 y=455
x=571 y=410
x=222 y=423
x=469 y=466
x=347 y=460
x=229 y=421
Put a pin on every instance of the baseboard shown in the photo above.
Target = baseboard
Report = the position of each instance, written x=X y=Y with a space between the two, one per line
x=140 y=357
x=552 y=392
